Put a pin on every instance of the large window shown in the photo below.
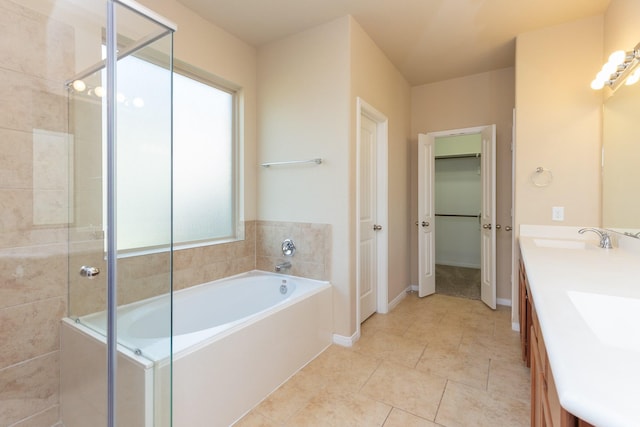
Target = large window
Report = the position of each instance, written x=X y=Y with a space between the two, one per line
x=204 y=159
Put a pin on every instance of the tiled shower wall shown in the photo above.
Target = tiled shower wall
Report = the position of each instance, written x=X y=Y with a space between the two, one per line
x=35 y=60
x=147 y=275
x=312 y=258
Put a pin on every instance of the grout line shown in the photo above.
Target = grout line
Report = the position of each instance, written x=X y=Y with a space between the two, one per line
x=446 y=384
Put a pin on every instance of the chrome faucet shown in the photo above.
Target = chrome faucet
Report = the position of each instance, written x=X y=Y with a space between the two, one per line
x=605 y=239
x=282 y=266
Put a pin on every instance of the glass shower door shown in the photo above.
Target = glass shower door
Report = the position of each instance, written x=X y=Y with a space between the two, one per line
x=120 y=245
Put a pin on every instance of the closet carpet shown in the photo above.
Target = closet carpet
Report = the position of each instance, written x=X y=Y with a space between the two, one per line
x=458 y=281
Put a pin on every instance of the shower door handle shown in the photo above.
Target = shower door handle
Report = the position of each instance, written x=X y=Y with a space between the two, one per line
x=90 y=272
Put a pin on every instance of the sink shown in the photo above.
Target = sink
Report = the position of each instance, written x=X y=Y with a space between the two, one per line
x=610 y=318
x=559 y=243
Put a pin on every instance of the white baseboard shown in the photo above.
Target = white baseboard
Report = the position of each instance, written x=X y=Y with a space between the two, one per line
x=399 y=298
x=346 y=341
x=504 y=301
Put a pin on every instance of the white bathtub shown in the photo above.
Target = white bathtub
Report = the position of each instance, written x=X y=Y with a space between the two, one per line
x=234 y=341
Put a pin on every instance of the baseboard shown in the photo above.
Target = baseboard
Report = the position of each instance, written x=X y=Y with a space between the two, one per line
x=504 y=301
x=399 y=298
x=346 y=341
x=413 y=288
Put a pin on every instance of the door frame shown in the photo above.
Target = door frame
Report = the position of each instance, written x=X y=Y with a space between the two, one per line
x=467 y=131
x=382 y=188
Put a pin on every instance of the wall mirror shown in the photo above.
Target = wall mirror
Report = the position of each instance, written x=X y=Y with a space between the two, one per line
x=621 y=162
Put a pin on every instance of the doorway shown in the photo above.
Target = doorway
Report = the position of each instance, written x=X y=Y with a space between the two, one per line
x=461 y=231
x=458 y=196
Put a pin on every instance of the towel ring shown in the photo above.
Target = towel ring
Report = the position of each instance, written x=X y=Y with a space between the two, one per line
x=541 y=177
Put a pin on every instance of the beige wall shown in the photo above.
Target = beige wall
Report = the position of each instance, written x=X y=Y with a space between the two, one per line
x=380 y=84
x=303 y=114
x=558 y=124
x=558 y=120
x=476 y=100
x=308 y=85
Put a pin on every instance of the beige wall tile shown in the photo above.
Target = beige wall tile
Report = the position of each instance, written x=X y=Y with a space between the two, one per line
x=29 y=388
x=44 y=35
x=31 y=274
x=16 y=156
x=30 y=330
x=27 y=102
x=46 y=418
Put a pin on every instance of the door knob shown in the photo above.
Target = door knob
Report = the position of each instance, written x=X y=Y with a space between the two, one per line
x=90 y=272
x=377 y=227
x=486 y=226
x=425 y=223
x=508 y=228
x=498 y=226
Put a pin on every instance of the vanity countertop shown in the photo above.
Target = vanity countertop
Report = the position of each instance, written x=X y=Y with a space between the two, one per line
x=588 y=304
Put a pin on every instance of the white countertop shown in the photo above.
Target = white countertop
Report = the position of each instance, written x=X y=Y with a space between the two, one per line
x=588 y=303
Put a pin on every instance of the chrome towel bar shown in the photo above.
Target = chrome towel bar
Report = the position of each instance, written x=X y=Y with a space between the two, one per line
x=317 y=161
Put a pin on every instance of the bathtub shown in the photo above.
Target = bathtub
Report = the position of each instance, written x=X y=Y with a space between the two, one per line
x=235 y=340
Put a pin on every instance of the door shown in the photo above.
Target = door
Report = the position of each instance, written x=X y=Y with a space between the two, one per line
x=488 y=219
x=426 y=223
x=368 y=247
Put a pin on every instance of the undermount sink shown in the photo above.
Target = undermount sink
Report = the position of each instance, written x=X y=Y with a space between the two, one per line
x=609 y=318
x=559 y=243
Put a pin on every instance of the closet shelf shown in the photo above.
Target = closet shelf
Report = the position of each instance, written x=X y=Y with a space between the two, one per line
x=460 y=215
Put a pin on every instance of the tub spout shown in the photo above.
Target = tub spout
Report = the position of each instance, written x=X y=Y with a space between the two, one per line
x=283 y=266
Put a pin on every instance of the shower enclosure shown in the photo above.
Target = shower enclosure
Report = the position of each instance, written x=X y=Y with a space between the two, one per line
x=120 y=214
x=86 y=134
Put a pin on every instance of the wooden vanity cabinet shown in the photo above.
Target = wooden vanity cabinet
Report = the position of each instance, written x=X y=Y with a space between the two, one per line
x=545 y=403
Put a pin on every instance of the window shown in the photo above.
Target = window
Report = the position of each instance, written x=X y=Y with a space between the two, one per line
x=205 y=160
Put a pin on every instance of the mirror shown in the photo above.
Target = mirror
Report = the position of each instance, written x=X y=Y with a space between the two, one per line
x=621 y=166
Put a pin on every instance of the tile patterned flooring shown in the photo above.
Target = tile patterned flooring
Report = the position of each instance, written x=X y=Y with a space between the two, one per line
x=434 y=361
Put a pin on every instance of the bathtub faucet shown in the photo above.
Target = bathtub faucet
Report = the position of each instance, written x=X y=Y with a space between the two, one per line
x=282 y=266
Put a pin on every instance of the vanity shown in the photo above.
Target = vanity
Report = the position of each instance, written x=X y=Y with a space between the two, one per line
x=580 y=327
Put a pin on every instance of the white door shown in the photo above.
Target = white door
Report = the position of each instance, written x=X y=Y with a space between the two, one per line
x=488 y=219
x=368 y=248
x=426 y=223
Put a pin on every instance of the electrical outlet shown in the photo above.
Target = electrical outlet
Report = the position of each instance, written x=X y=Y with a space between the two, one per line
x=557 y=213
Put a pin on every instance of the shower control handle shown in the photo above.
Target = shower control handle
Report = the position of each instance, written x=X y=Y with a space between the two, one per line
x=90 y=272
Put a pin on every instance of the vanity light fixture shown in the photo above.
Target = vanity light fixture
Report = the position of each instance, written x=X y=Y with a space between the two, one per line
x=618 y=68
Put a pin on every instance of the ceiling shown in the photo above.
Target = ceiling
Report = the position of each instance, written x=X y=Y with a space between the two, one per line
x=427 y=40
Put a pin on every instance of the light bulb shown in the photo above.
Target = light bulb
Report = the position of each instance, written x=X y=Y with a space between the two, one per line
x=617 y=57
x=603 y=76
x=633 y=78
x=609 y=68
x=99 y=91
x=79 y=85
x=597 y=84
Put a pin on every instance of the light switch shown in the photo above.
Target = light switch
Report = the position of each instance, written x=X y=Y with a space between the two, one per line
x=557 y=213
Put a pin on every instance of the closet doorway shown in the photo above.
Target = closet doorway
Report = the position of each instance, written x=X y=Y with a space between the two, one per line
x=456 y=201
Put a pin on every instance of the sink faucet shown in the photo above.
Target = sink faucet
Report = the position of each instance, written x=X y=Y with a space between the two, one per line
x=605 y=239
x=282 y=266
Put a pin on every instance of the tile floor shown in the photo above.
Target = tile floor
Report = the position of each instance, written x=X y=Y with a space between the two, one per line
x=435 y=361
